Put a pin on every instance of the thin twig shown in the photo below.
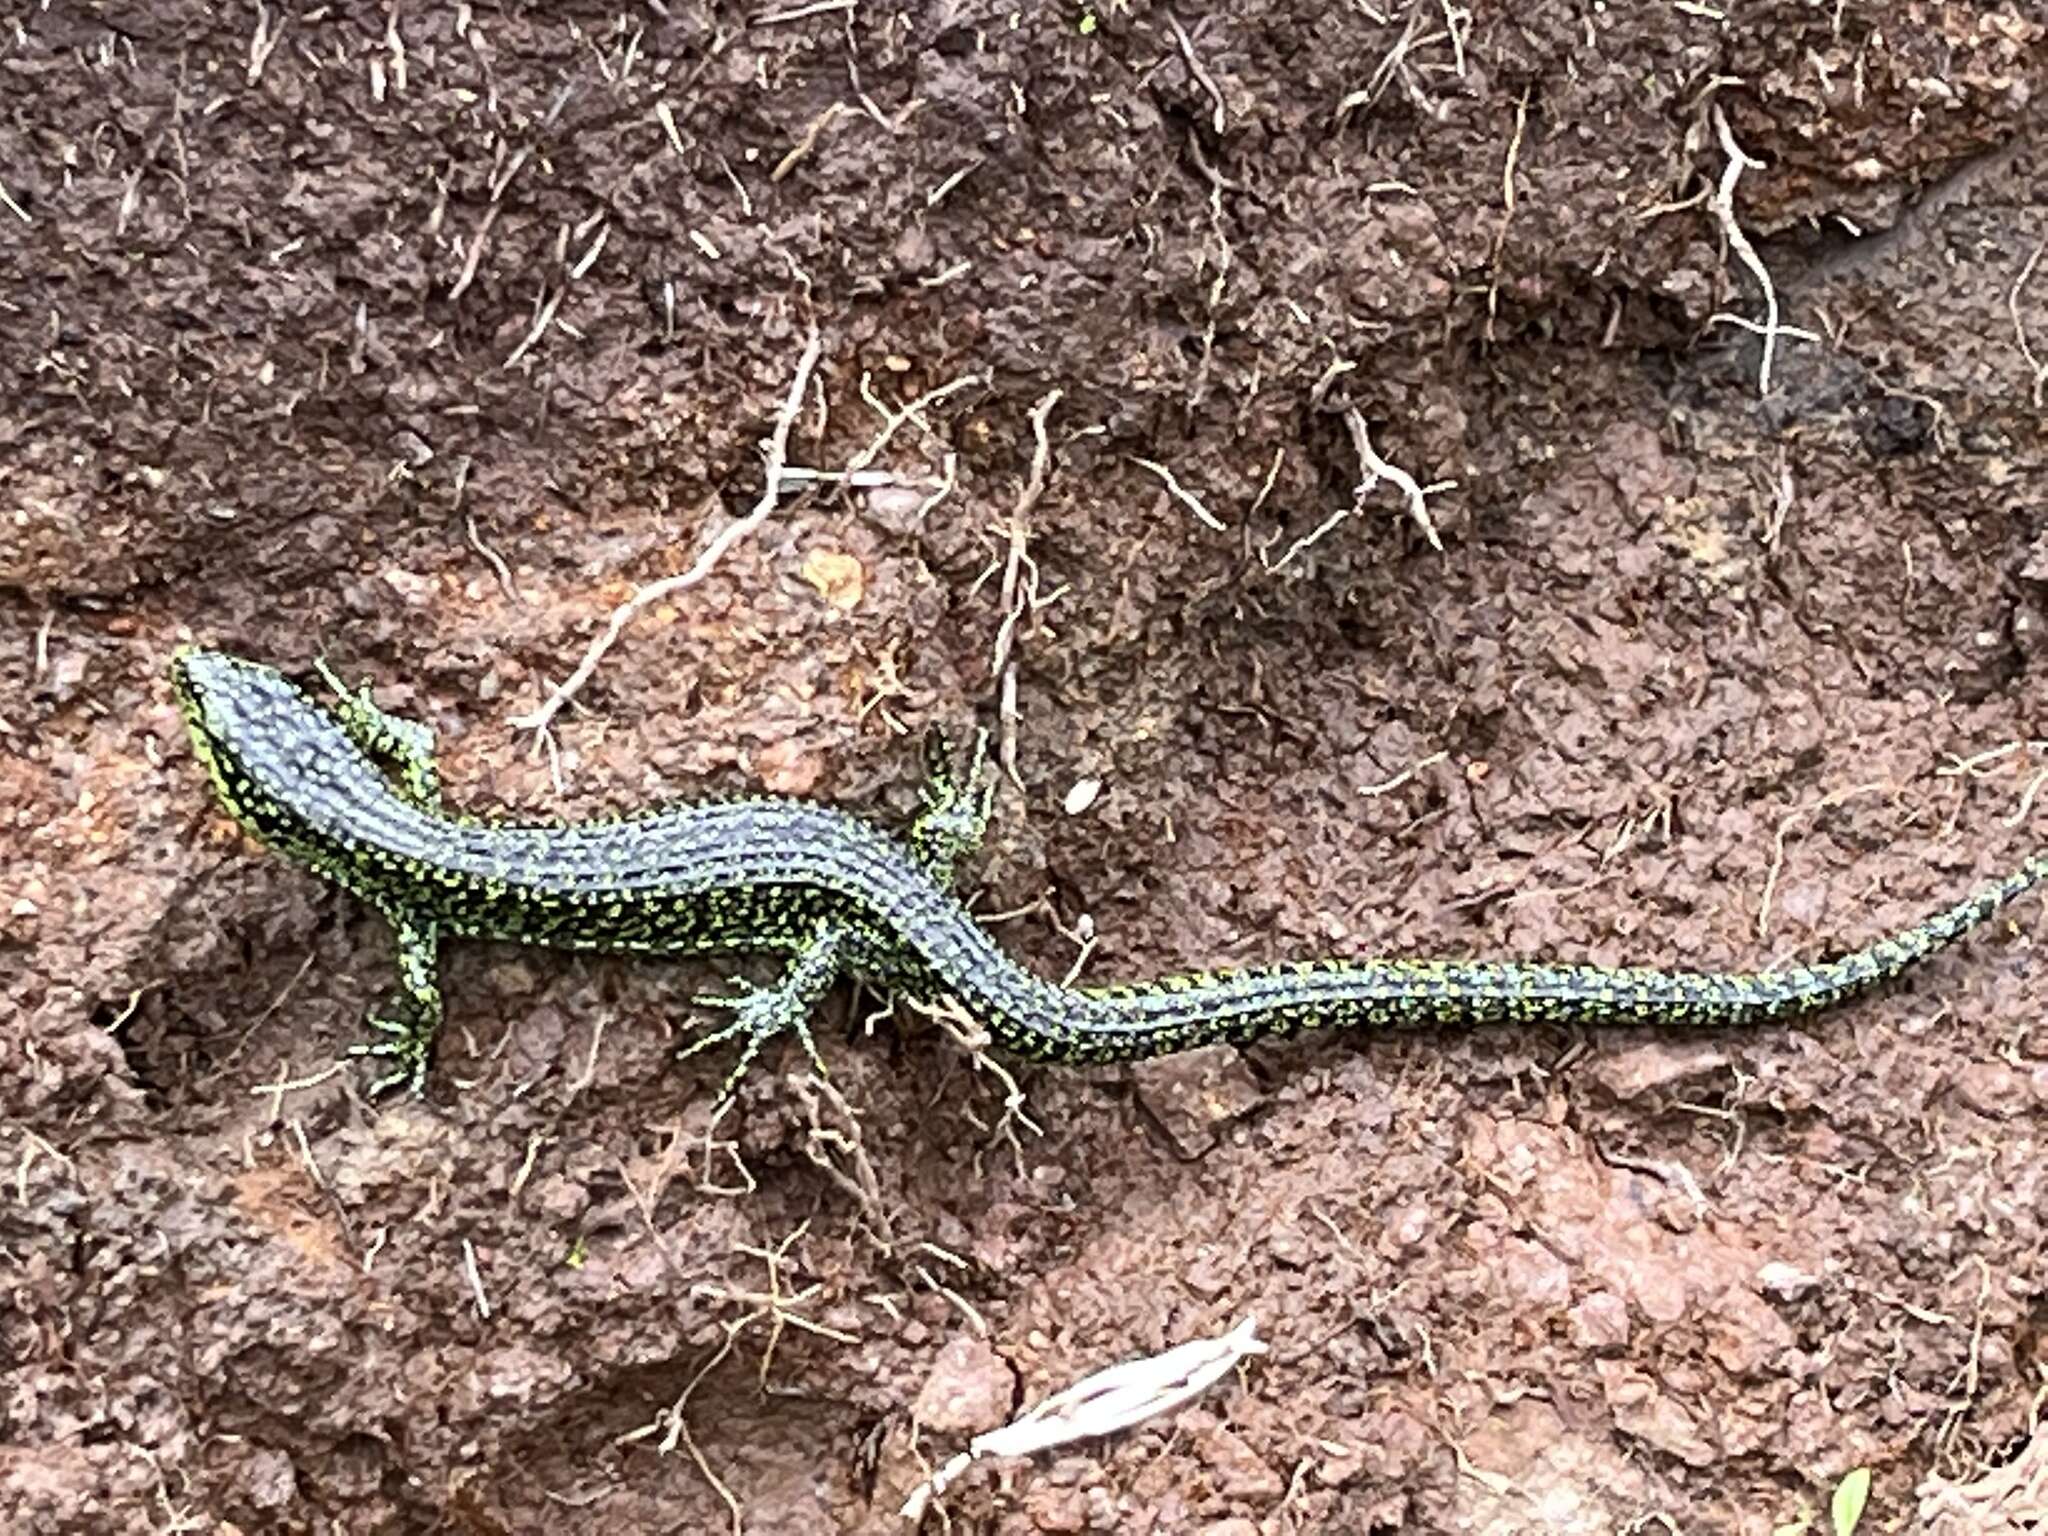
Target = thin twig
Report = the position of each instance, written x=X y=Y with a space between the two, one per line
x=679 y=1431
x=1378 y=469
x=1305 y=543
x=1977 y=764
x=892 y=421
x=1507 y=199
x=808 y=140
x=1781 y=503
x=475 y=252
x=823 y=1140
x=36 y=1148
x=264 y=42
x=1388 y=786
x=1266 y=485
x=1017 y=598
x=539 y=719
x=476 y=1280
x=589 y=257
x=1182 y=494
x=1722 y=204
x=974 y=1039
x=799 y=12
x=1187 y=49
x=775 y=1304
x=503 y=180
x=543 y=318
x=282 y=1085
x=2012 y=302
x=2026 y=805
x=1392 y=67
x=951 y=466
x=493 y=558
x=1825 y=802
x=1758 y=328
x=665 y=115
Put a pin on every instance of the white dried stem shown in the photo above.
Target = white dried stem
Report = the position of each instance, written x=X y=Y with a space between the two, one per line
x=538 y=720
x=2019 y=326
x=1378 y=469
x=544 y=317
x=1182 y=494
x=1208 y=83
x=1018 y=596
x=1111 y=1400
x=893 y=421
x=1722 y=205
x=799 y=12
x=263 y=42
x=475 y=253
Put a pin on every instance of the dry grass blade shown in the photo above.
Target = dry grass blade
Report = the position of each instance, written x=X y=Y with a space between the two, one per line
x=1102 y=1404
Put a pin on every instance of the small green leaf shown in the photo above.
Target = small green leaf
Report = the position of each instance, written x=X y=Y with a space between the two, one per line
x=578 y=1254
x=1851 y=1494
x=1087 y=23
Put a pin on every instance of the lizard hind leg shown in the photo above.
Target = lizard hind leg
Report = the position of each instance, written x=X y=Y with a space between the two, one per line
x=957 y=807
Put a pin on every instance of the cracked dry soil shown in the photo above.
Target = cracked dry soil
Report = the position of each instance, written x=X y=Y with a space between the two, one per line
x=421 y=337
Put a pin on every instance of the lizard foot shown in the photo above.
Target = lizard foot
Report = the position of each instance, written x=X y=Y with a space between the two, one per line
x=406 y=1046
x=759 y=1014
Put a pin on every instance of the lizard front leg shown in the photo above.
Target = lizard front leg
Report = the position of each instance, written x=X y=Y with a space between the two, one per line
x=410 y=1022
x=406 y=745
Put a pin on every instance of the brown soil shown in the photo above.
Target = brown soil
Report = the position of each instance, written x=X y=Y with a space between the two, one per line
x=315 y=314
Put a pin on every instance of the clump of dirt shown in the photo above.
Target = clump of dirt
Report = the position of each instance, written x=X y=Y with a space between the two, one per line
x=1345 y=453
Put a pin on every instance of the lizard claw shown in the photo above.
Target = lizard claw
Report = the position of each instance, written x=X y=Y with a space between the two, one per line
x=743 y=991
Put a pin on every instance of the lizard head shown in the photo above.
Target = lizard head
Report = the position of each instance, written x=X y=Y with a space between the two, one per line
x=261 y=739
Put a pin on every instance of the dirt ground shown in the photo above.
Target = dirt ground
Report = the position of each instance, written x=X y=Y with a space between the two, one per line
x=421 y=337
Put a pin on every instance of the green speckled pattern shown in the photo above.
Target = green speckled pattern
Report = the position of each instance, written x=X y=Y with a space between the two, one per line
x=774 y=875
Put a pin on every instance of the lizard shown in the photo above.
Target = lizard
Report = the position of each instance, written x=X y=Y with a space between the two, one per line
x=353 y=793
